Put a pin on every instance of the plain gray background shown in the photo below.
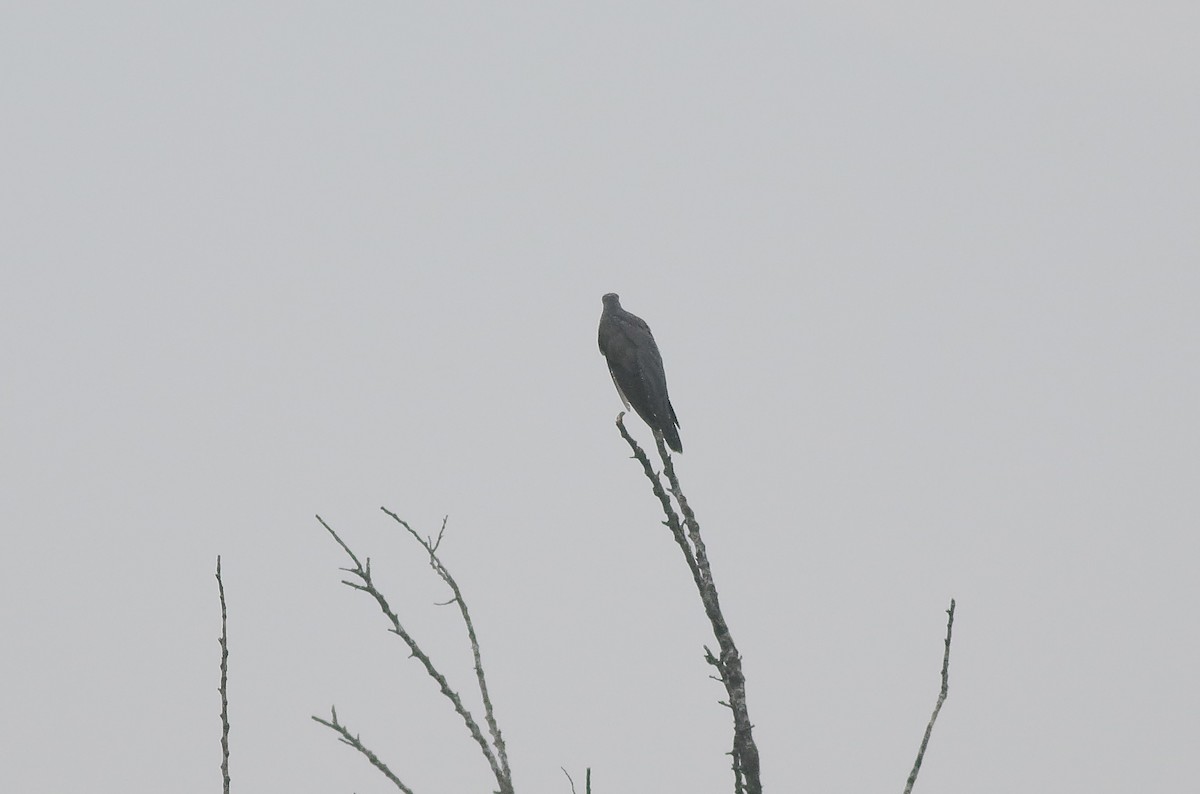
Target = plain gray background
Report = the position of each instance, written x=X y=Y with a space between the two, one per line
x=925 y=280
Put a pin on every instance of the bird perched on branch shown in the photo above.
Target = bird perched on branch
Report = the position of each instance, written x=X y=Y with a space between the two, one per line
x=637 y=369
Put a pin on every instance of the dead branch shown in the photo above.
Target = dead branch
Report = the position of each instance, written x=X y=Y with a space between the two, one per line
x=224 y=688
x=364 y=582
x=435 y=562
x=729 y=662
x=912 y=777
x=348 y=738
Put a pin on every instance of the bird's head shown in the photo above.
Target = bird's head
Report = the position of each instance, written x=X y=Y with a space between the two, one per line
x=612 y=301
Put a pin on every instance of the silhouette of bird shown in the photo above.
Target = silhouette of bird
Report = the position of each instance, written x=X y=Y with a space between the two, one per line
x=637 y=369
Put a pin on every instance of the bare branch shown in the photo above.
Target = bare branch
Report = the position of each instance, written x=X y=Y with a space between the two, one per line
x=367 y=585
x=436 y=563
x=672 y=521
x=353 y=741
x=912 y=777
x=729 y=663
x=223 y=689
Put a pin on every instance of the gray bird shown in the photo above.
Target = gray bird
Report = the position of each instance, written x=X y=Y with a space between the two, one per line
x=637 y=369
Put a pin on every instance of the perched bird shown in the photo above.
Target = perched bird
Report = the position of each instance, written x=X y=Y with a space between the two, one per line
x=637 y=369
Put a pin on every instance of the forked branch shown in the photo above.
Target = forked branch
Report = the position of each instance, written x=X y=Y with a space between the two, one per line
x=435 y=562
x=363 y=581
x=728 y=662
x=345 y=737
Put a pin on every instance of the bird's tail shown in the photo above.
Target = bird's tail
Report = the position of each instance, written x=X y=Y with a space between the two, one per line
x=671 y=435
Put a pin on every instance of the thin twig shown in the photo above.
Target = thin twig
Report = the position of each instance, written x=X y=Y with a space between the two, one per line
x=912 y=778
x=568 y=774
x=224 y=640
x=436 y=563
x=353 y=741
x=367 y=585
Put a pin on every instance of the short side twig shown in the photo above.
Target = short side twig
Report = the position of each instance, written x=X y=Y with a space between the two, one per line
x=912 y=777
x=439 y=567
x=739 y=785
x=224 y=688
x=353 y=741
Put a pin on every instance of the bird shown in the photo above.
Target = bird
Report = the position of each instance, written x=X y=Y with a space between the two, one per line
x=637 y=369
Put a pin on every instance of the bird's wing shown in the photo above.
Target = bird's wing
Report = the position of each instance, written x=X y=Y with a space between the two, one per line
x=621 y=341
x=654 y=379
x=620 y=391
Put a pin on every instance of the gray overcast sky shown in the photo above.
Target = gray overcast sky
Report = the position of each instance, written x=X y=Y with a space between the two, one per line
x=925 y=282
